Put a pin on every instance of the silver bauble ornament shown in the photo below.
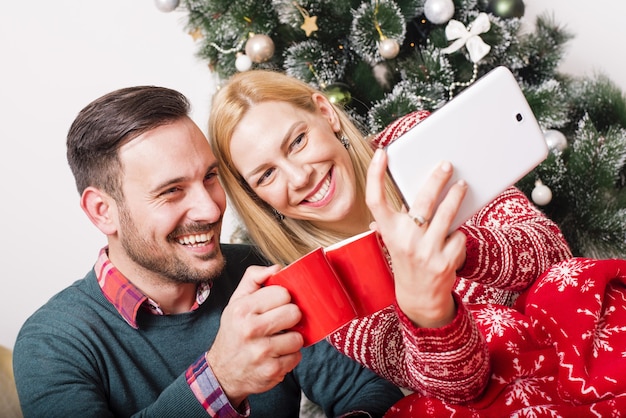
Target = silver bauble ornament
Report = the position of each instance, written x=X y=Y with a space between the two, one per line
x=556 y=141
x=439 y=11
x=166 y=5
x=243 y=63
x=389 y=48
x=260 y=48
x=541 y=194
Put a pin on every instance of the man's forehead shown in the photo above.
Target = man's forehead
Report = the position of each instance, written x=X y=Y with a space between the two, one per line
x=166 y=156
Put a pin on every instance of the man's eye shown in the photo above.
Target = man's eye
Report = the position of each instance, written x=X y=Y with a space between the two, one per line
x=170 y=191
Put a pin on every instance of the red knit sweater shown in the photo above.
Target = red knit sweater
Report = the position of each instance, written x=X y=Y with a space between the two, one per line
x=509 y=244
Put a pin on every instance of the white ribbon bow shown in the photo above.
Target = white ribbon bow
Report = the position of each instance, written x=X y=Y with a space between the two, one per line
x=476 y=47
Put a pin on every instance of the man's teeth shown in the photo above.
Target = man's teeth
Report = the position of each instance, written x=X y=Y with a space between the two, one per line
x=194 y=239
x=321 y=192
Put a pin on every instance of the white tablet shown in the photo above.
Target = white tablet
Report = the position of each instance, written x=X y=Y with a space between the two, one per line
x=489 y=134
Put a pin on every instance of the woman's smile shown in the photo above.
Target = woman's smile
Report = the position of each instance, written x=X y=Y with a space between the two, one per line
x=322 y=193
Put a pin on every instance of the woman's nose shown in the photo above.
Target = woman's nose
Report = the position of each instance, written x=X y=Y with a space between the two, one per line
x=298 y=175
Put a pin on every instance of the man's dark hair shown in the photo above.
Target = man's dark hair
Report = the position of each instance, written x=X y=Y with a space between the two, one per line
x=111 y=121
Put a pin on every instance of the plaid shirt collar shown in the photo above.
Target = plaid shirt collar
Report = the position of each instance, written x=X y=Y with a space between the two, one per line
x=126 y=297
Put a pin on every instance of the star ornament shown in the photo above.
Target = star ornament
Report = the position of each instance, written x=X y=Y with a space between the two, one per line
x=196 y=34
x=310 y=25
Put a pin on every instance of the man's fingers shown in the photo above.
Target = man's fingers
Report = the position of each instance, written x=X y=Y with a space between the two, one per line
x=278 y=313
x=253 y=279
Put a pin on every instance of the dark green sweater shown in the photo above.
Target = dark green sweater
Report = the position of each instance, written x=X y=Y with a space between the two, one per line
x=77 y=357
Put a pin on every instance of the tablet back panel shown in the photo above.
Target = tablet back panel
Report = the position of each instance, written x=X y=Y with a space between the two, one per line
x=489 y=134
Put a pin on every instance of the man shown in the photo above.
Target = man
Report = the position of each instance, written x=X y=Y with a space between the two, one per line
x=169 y=322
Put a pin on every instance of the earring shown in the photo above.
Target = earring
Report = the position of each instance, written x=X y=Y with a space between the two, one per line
x=278 y=215
x=344 y=141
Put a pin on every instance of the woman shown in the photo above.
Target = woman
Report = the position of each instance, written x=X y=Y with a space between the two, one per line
x=298 y=182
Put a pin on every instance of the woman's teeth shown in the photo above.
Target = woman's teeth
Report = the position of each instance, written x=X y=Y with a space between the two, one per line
x=321 y=192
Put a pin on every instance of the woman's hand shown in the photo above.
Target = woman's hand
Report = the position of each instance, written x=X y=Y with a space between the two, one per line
x=424 y=257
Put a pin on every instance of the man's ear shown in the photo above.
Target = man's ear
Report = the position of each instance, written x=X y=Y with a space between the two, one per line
x=327 y=110
x=101 y=209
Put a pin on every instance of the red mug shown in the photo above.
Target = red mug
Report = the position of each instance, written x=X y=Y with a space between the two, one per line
x=318 y=293
x=363 y=265
x=333 y=286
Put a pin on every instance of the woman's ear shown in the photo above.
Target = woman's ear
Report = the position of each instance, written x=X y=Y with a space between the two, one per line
x=327 y=110
x=101 y=209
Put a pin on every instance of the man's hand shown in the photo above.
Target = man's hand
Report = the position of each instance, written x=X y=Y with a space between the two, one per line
x=251 y=352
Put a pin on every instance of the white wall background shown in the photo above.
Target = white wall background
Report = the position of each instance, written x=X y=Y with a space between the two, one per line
x=56 y=56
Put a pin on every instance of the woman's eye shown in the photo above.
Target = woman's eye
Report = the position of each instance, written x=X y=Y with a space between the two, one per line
x=297 y=143
x=264 y=177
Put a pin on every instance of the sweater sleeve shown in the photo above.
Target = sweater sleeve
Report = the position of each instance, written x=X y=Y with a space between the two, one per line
x=450 y=363
x=510 y=243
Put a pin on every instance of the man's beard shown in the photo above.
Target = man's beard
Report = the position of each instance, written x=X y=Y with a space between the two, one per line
x=164 y=262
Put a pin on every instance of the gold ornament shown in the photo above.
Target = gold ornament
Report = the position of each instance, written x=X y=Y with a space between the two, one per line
x=338 y=93
x=310 y=22
x=310 y=25
x=506 y=8
x=260 y=48
x=388 y=48
x=196 y=34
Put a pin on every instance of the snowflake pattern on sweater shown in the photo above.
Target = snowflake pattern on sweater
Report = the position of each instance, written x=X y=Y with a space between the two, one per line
x=509 y=244
x=560 y=352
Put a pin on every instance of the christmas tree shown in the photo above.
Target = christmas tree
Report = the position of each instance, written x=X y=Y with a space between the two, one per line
x=381 y=59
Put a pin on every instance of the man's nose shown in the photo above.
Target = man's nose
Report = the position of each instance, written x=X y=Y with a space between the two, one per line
x=205 y=207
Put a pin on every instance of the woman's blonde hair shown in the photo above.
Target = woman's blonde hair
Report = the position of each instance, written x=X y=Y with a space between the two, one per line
x=281 y=241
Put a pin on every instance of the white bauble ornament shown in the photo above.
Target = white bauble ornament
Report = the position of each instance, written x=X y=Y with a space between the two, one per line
x=541 y=194
x=260 y=48
x=439 y=11
x=166 y=5
x=243 y=62
x=389 y=48
x=556 y=141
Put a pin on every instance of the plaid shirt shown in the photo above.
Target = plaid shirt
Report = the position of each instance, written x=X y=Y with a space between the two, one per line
x=128 y=299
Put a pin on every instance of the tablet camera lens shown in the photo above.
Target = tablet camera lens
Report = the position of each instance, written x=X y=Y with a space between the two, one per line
x=519 y=117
